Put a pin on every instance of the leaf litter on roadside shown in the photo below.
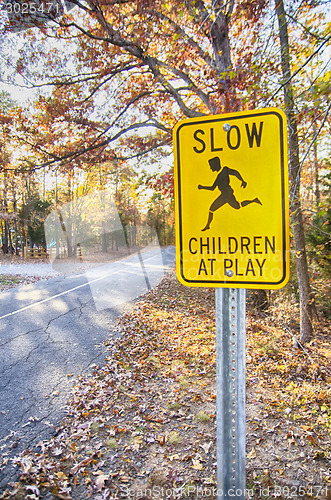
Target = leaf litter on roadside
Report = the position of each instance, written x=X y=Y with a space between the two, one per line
x=144 y=423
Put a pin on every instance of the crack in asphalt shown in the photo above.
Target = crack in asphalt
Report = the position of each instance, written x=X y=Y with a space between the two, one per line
x=25 y=357
x=5 y=370
x=21 y=335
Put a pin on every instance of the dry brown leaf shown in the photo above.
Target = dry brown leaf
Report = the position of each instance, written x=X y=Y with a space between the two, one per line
x=100 y=481
x=251 y=454
x=60 y=475
x=84 y=462
x=197 y=465
x=206 y=446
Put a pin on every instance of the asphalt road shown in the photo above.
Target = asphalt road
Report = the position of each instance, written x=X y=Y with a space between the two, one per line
x=52 y=331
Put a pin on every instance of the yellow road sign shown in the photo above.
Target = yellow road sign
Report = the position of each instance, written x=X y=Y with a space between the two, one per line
x=231 y=193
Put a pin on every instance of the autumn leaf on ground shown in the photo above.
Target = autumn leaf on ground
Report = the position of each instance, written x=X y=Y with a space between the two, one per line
x=100 y=480
x=251 y=454
x=206 y=446
x=197 y=465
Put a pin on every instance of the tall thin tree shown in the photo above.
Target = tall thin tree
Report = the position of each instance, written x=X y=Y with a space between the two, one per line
x=306 y=298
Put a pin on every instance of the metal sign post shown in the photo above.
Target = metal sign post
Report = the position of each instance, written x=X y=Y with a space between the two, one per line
x=230 y=387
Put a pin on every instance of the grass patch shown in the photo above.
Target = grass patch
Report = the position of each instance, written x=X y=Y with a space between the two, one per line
x=8 y=279
x=174 y=438
x=202 y=417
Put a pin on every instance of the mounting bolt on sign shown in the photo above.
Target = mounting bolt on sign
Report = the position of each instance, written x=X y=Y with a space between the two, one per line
x=232 y=233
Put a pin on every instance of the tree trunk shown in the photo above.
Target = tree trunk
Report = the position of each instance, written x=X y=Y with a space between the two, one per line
x=28 y=212
x=306 y=309
x=6 y=240
x=11 y=248
x=5 y=209
x=68 y=229
x=220 y=42
x=15 y=220
x=104 y=238
x=2 y=222
x=317 y=186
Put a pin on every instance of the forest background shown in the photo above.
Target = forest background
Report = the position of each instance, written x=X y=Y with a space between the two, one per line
x=109 y=79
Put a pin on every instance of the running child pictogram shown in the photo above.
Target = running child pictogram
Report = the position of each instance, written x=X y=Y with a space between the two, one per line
x=222 y=182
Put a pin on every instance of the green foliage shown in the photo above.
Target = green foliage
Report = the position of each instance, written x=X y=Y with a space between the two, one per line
x=318 y=240
x=322 y=87
x=318 y=235
x=35 y=217
x=7 y=280
x=6 y=102
x=160 y=217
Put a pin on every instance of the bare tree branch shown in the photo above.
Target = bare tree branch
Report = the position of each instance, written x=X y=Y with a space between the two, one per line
x=298 y=70
x=94 y=145
x=202 y=53
x=192 y=87
x=109 y=77
x=297 y=180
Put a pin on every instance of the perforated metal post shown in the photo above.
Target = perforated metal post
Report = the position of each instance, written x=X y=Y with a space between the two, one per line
x=230 y=397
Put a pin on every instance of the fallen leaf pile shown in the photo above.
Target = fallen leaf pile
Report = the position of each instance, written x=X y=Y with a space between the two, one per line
x=143 y=426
